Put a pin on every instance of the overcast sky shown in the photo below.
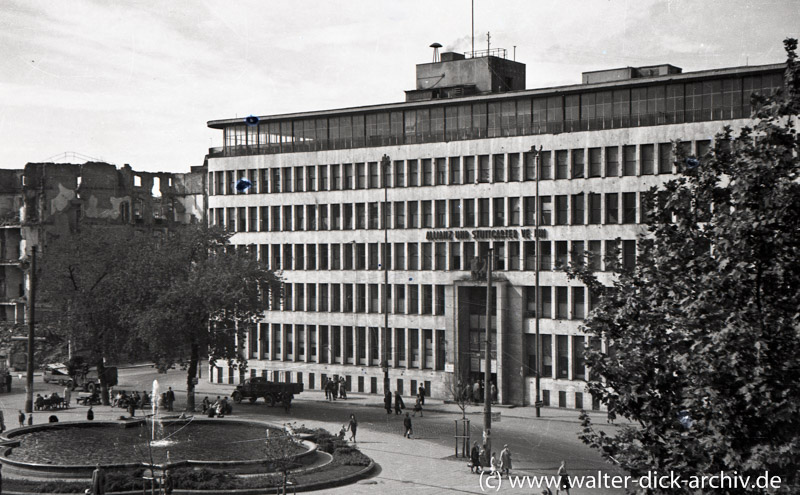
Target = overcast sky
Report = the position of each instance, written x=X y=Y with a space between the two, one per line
x=135 y=82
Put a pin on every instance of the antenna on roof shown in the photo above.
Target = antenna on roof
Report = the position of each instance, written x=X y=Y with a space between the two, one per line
x=435 y=47
x=473 y=28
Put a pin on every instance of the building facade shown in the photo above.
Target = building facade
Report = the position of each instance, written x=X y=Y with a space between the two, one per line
x=459 y=179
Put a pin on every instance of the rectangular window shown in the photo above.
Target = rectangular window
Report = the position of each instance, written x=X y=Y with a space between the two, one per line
x=469 y=212
x=440 y=256
x=530 y=210
x=530 y=166
x=561 y=255
x=595 y=209
x=629 y=164
x=347 y=216
x=413 y=173
x=612 y=161
x=469 y=170
x=595 y=256
x=399 y=173
x=298 y=179
x=648 y=159
x=546 y=209
x=400 y=300
x=323 y=177
x=629 y=255
x=546 y=165
x=372 y=215
x=337 y=343
x=578 y=303
x=441 y=171
x=336 y=257
x=427 y=256
x=413 y=215
x=413 y=256
x=562 y=354
x=373 y=175
x=399 y=215
x=547 y=301
x=427 y=172
x=483 y=168
x=499 y=212
x=547 y=355
x=562 y=169
x=399 y=256
x=455 y=170
x=665 y=158
x=455 y=213
x=545 y=260
x=578 y=209
x=594 y=162
x=515 y=211
x=323 y=297
x=336 y=298
x=427 y=215
x=499 y=168
x=562 y=210
x=612 y=208
x=578 y=164
x=629 y=207
x=483 y=212
x=513 y=167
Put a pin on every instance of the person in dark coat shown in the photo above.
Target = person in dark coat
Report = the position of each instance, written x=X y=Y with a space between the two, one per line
x=170 y=399
x=399 y=405
x=353 y=427
x=98 y=481
x=387 y=402
x=418 y=406
x=475 y=459
x=422 y=394
x=169 y=485
x=21 y=418
x=407 y=426
x=90 y=414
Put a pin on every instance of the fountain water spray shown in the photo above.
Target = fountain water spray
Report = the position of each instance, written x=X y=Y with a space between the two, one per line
x=154 y=401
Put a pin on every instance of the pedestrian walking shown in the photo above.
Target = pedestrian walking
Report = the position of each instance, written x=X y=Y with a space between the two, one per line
x=21 y=418
x=505 y=460
x=342 y=388
x=563 y=479
x=494 y=393
x=476 y=392
x=98 y=481
x=353 y=426
x=206 y=404
x=418 y=406
x=407 y=426
x=67 y=396
x=421 y=392
x=387 y=402
x=475 y=459
x=170 y=399
x=89 y=414
x=494 y=466
x=327 y=386
x=399 y=405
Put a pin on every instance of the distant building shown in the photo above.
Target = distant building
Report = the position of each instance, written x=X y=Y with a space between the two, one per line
x=49 y=200
x=460 y=181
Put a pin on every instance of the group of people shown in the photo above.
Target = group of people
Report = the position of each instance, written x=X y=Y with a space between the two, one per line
x=336 y=387
x=50 y=401
x=219 y=407
x=124 y=400
x=474 y=392
x=399 y=405
x=481 y=461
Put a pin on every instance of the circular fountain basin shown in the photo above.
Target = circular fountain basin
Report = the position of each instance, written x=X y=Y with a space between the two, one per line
x=71 y=450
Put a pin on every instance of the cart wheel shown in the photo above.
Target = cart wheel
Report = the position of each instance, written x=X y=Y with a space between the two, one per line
x=237 y=397
x=91 y=388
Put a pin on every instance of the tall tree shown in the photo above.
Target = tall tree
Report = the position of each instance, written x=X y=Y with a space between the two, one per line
x=704 y=334
x=82 y=288
x=197 y=294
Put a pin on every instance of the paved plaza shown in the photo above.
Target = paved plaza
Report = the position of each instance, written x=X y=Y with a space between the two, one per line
x=422 y=465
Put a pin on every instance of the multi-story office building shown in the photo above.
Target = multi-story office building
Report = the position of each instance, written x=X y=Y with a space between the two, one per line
x=459 y=180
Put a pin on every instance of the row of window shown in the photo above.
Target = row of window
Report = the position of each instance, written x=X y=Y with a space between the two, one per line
x=413 y=348
x=579 y=163
x=653 y=104
x=576 y=209
x=562 y=356
x=560 y=302
x=443 y=256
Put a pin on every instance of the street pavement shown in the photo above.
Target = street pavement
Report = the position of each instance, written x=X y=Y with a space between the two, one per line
x=424 y=464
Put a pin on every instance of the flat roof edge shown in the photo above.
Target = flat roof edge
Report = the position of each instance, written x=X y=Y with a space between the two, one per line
x=727 y=71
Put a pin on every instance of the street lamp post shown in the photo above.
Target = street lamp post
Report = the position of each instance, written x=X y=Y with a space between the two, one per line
x=385 y=164
x=536 y=213
x=487 y=374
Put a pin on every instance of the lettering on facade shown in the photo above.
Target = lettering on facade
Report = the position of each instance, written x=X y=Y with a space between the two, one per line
x=484 y=234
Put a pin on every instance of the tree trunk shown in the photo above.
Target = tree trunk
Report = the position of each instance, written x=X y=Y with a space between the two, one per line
x=101 y=377
x=191 y=373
